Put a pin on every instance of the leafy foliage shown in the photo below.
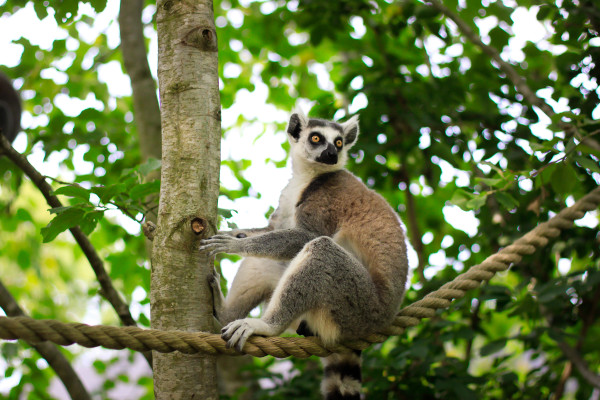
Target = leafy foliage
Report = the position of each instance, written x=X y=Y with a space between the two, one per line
x=443 y=126
x=444 y=133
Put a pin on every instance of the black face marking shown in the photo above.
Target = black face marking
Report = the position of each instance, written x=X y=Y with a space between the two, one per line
x=329 y=156
x=313 y=122
x=316 y=139
x=294 y=127
x=339 y=142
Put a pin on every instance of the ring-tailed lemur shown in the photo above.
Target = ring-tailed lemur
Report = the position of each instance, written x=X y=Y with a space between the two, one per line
x=333 y=254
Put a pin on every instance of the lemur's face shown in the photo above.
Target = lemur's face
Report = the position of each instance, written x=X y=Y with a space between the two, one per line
x=322 y=142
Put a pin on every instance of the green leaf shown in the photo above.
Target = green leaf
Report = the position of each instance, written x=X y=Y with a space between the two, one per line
x=74 y=191
x=491 y=182
x=587 y=163
x=67 y=218
x=477 y=202
x=225 y=212
x=492 y=347
x=90 y=220
x=563 y=179
x=460 y=198
x=143 y=320
x=58 y=210
x=506 y=200
x=499 y=37
x=550 y=293
x=99 y=5
x=106 y=193
x=24 y=259
x=144 y=189
x=149 y=166
x=100 y=366
x=23 y=215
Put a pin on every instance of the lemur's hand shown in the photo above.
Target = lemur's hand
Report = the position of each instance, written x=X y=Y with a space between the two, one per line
x=221 y=244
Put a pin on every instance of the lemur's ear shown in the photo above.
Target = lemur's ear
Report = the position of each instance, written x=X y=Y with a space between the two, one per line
x=298 y=121
x=350 y=130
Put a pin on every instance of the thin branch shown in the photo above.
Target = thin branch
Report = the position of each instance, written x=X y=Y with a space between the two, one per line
x=413 y=225
x=508 y=69
x=108 y=290
x=564 y=377
x=56 y=360
x=475 y=322
x=123 y=209
x=402 y=128
x=511 y=73
x=579 y=363
x=572 y=354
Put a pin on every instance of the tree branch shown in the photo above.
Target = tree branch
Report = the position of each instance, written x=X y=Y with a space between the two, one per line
x=108 y=290
x=413 y=224
x=48 y=351
x=508 y=69
x=135 y=59
x=580 y=364
x=511 y=73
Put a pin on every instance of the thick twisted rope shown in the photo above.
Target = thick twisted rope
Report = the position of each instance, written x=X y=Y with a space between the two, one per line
x=112 y=337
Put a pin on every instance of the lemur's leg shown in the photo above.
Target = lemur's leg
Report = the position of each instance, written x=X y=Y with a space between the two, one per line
x=254 y=283
x=323 y=280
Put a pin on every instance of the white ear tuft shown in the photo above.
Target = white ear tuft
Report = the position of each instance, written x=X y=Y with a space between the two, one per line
x=350 y=130
x=303 y=118
x=298 y=121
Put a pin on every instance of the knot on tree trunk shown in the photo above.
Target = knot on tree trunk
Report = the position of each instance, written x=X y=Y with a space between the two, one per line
x=202 y=37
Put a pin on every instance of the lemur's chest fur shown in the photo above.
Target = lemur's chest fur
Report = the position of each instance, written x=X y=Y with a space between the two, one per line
x=291 y=194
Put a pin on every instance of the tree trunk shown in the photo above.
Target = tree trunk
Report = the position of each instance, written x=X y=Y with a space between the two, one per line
x=191 y=134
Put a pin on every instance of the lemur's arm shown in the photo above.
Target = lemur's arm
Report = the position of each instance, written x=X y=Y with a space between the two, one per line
x=281 y=244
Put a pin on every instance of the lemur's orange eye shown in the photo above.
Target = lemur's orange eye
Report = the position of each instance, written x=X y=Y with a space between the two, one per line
x=315 y=139
x=339 y=143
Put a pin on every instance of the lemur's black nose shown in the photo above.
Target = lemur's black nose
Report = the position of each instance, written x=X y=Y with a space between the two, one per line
x=329 y=155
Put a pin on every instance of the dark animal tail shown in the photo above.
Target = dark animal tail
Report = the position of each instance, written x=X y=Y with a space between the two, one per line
x=342 y=378
x=10 y=109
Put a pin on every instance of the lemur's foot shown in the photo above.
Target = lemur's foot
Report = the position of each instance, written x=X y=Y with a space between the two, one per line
x=214 y=281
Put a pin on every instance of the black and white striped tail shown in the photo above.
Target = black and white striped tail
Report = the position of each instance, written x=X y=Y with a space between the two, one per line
x=342 y=380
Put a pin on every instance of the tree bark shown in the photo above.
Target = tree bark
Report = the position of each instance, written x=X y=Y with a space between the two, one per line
x=191 y=134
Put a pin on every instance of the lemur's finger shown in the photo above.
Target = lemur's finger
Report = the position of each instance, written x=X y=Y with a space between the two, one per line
x=228 y=330
x=243 y=339
x=235 y=338
x=214 y=253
